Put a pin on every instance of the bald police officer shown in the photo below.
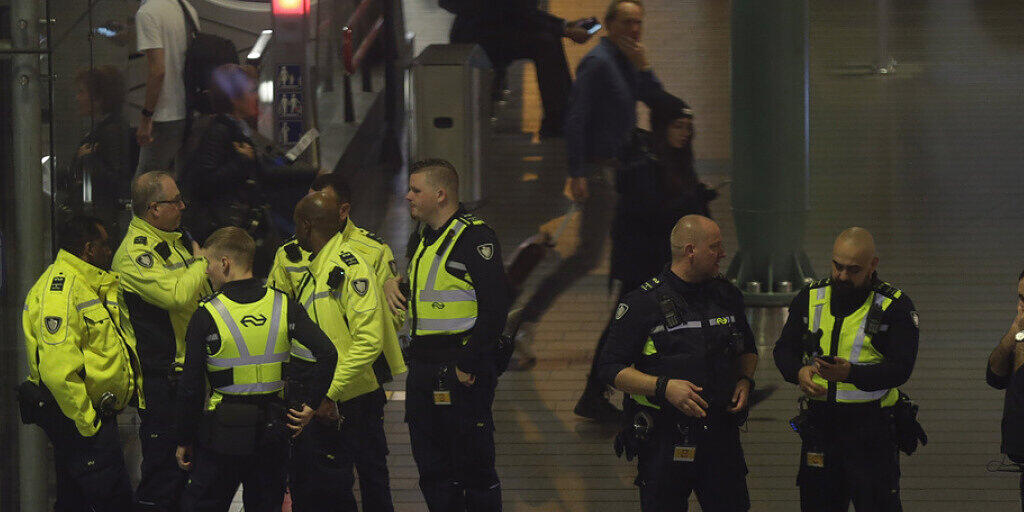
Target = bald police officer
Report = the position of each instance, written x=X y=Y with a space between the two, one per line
x=82 y=364
x=163 y=283
x=341 y=295
x=849 y=342
x=291 y=265
x=680 y=347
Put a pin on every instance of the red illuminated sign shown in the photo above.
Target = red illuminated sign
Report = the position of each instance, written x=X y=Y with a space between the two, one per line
x=290 y=7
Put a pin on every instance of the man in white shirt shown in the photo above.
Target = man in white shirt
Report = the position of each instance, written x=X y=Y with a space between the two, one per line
x=163 y=36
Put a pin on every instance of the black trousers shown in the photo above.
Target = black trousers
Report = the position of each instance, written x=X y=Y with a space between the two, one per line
x=860 y=460
x=215 y=478
x=324 y=457
x=90 y=470
x=453 y=445
x=545 y=49
x=718 y=473
x=162 y=480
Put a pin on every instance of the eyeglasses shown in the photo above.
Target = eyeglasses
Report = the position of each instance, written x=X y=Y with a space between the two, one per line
x=176 y=200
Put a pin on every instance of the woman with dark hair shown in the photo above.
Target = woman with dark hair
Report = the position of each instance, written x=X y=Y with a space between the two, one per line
x=221 y=177
x=103 y=165
x=657 y=185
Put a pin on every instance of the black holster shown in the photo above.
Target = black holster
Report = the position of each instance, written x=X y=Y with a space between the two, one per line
x=906 y=427
x=240 y=428
x=33 y=399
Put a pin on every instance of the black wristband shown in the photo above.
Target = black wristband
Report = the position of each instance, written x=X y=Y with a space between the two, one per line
x=748 y=379
x=659 y=390
x=146 y=112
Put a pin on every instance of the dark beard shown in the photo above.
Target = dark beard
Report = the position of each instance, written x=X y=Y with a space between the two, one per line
x=845 y=290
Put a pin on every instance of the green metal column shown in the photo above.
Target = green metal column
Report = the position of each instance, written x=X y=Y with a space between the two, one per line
x=769 y=147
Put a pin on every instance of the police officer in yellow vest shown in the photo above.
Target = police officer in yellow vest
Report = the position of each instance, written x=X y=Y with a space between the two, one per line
x=342 y=296
x=291 y=265
x=459 y=304
x=238 y=342
x=681 y=347
x=163 y=282
x=849 y=342
x=82 y=364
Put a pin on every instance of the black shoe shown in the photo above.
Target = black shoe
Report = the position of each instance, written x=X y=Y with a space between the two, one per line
x=595 y=406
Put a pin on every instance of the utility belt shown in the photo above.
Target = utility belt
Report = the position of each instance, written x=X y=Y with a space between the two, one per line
x=816 y=418
x=435 y=348
x=241 y=425
x=643 y=425
x=34 y=400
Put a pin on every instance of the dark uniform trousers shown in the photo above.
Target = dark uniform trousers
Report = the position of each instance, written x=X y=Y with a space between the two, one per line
x=215 y=479
x=324 y=457
x=161 y=480
x=861 y=461
x=453 y=445
x=90 y=470
x=718 y=473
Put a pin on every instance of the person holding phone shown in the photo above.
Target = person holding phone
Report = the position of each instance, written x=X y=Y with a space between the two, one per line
x=850 y=341
x=509 y=31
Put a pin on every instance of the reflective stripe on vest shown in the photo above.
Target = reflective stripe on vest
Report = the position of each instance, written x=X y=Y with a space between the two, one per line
x=444 y=304
x=854 y=344
x=255 y=366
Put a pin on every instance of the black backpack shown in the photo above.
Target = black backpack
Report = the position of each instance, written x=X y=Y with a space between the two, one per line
x=204 y=53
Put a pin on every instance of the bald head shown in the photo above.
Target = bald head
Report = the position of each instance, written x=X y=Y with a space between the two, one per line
x=854 y=260
x=690 y=230
x=320 y=211
x=697 y=247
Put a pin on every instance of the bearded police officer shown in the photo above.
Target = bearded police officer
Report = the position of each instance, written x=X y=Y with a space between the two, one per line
x=681 y=348
x=850 y=340
x=163 y=283
x=291 y=265
x=342 y=296
x=239 y=341
x=82 y=362
x=459 y=305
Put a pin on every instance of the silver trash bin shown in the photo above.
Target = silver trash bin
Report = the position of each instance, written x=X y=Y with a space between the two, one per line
x=451 y=105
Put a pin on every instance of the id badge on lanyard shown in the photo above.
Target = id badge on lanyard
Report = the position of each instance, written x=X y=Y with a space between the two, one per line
x=686 y=451
x=442 y=392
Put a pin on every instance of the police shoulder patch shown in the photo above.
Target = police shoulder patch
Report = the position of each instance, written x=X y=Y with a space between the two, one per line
x=372 y=236
x=650 y=284
x=821 y=282
x=361 y=286
x=52 y=324
x=621 y=310
x=349 y=258
x=486 y=251
x=145 y=260
x=140 y=240
x=914 y=318
x=57 y=285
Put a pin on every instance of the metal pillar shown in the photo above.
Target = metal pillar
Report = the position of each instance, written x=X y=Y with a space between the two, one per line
x=769 y=148
x=32 y=222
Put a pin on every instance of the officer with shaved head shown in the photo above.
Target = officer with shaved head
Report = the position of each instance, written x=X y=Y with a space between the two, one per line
x=681 y=349
x=850 y=341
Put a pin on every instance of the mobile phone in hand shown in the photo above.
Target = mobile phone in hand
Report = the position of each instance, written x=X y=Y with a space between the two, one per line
x=590 y=24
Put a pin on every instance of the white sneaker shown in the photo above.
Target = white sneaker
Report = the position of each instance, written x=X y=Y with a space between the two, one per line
x=523 y=357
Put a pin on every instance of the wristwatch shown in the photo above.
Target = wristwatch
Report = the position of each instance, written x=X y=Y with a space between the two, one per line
x=146 y=112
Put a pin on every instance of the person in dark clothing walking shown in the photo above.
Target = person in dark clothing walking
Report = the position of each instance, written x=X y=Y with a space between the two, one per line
x=519 y=29
x=657 y=186
x=221 y=178
x=103 y=163
x=610 y=79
